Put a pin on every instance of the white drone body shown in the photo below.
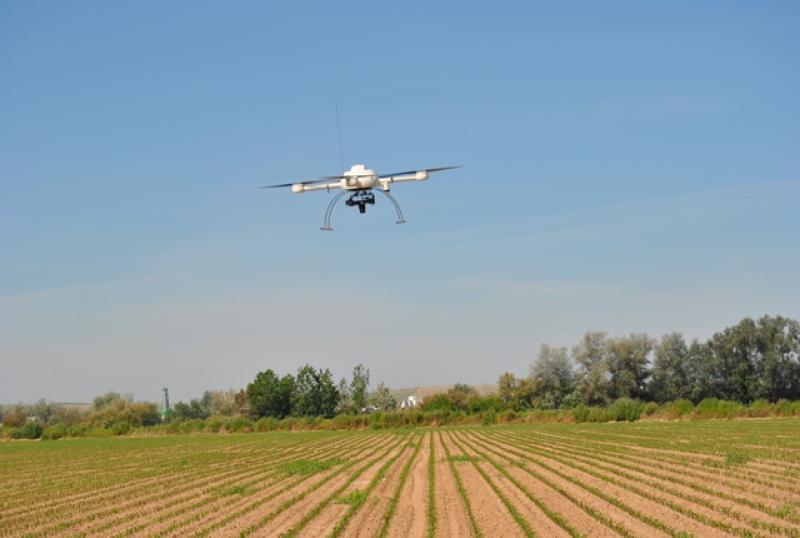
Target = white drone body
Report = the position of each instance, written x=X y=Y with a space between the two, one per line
x=359 y=181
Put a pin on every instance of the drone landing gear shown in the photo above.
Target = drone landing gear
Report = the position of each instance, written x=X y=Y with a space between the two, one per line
x=360 y=199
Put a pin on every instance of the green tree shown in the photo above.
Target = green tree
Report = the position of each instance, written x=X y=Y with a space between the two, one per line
x=506 y=385
x=345 y=404
x=671 y=370
x=315 y=393
x=628 y=359
x=552 y=376
x=270 y=396
x=594 y=378
x=359 y=387
x=382 y=398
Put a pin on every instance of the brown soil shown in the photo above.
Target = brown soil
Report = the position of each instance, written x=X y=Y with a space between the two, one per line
x=451 y=514
x=532 y=514
x=270 y=503
x=410 y=516
x=653 y=509
x=491 y=514
x=569 y=511
x=369 y=518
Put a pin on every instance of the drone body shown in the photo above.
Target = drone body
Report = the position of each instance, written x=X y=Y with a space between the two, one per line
x=359 y=181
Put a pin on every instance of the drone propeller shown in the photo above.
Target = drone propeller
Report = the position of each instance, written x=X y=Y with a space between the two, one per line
x=307 y=182
x=422 y=170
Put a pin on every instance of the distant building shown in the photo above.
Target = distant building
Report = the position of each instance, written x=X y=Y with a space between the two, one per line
x=410 y=402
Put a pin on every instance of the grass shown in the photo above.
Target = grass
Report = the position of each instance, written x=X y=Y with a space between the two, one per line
x=309 y=467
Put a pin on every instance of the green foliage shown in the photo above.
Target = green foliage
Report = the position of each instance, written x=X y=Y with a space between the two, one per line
x=715 y=408
x=56 y=431
x=359 y=387
x=581 y=413
x=270 y=396
x=650 y=409
x=121 y=427
x=680 y=408
x=355 y=497
x=624 y=409
x=30 y=430
x=488 y=418
x=308 y=467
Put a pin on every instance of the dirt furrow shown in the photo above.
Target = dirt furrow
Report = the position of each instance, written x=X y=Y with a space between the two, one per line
x=491 y=515
x=142 y=496
x=555 y=470
x=452 y=519
x=290 y=519
x=253 y=507
x=369 y=518
x=576 y=519
x=410 y=516
x=677 y=484
x=192 y=504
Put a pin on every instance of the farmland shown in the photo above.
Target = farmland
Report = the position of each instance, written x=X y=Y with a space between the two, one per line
x=692 y=478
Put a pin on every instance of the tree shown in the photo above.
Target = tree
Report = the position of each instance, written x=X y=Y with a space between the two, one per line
x=552 y=376
x=345 y=404
x=270 y=396
x=109 y=398
x=359 y=387
x=594 y=379
x=506 y=385
x=382 y=398
x=315 y=394
x=461 y=394
x=628 y=358
x=671 y=370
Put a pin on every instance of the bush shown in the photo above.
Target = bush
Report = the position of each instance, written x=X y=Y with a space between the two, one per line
x=488 y=418
x=507 y=416
x=760 y=408
x=214 y=425
x=650 y=409
x=580 y=413
x=714 y=408
x=680 y=408
x=266 y=424
x=29 y=430
x=56 y=431
x=624 y=409
x=239 y=424
x=121 y=427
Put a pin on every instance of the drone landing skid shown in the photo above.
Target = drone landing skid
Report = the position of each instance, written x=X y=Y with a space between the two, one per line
x=359 y=199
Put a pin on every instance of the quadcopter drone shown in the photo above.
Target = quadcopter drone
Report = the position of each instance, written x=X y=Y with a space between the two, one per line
x=359 y=182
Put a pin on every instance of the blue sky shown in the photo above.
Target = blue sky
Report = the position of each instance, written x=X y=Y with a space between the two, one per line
x=628 y=166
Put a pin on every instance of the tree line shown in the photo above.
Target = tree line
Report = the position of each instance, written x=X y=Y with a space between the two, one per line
x=752 y=360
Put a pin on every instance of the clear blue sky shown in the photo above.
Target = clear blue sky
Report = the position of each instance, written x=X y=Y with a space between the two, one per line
x=628 y=166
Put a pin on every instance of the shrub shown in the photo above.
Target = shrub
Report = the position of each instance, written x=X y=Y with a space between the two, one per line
x=121 y=427
x=488 y=418
x=714 y=408
x=29 y=430
x=680 y=408
x=650 y=409
x=760 y=408
x=56 y=431
x=507 y=416
x=580 y=413
x=266 y=424
x=624 y=409
x=239 y=424
x=214 y=425
x=597 y=414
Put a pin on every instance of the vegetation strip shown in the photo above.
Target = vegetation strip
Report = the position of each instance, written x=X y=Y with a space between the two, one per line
x=145 y=494
x=431 y=512
x=255 y=505
x=505 y=500
x=596 y=514
x=461 y=489
x=556 y=518
x=643 y=468
x=739 y=531
x=294 y=500
x=390 y=509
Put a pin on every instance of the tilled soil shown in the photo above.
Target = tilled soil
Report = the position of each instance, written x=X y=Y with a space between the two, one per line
x=547 y=481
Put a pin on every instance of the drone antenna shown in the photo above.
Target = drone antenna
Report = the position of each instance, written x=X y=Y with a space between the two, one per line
x=338 y=131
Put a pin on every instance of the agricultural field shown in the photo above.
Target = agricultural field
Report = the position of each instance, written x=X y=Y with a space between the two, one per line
x=653 y=479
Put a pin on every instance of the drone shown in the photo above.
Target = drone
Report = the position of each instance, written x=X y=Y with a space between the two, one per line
x=359 y=182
